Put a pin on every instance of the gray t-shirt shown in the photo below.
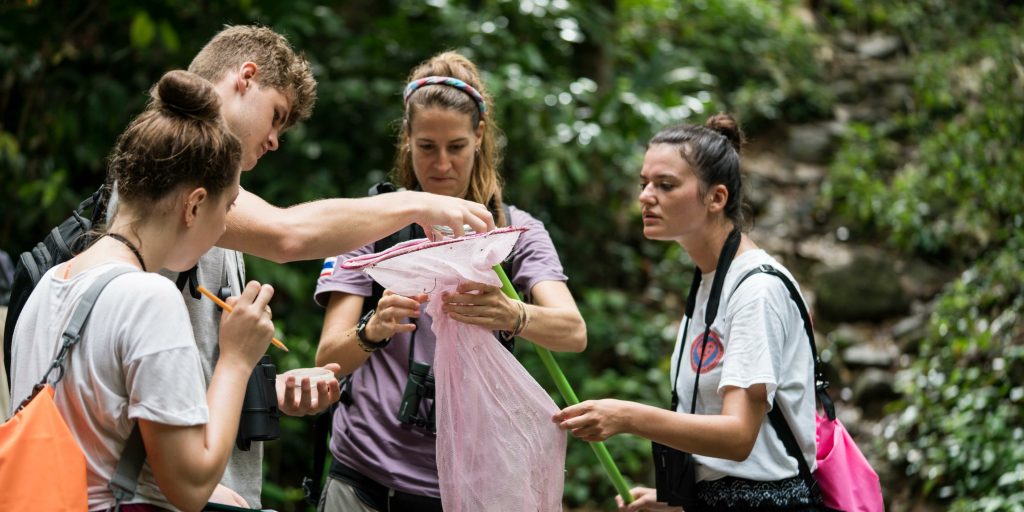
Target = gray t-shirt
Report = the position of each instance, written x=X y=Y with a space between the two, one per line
x=220 y=268
x=367 y=435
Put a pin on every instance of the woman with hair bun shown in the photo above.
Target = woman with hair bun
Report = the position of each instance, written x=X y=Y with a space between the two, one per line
x=177 y=169
x=742 y=348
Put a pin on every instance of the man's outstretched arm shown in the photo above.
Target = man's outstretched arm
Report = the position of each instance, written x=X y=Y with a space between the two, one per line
x=329 y=227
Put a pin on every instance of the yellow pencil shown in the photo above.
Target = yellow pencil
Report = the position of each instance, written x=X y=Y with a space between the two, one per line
x=227 y=308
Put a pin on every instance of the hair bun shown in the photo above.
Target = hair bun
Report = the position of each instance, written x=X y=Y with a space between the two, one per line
x=729 y=127
x=186 y=94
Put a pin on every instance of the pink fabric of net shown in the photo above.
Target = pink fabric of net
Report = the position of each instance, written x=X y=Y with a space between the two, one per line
x=497 y=448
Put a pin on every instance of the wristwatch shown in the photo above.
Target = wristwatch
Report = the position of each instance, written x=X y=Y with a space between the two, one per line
x=364 y=342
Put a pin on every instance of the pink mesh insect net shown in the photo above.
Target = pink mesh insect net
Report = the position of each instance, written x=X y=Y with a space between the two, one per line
x=497 y=448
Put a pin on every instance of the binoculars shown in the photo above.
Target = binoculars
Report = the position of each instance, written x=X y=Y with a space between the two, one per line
x=260 y=417
x=419 y=386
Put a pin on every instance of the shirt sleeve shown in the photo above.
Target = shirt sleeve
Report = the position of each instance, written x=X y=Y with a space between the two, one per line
x=163 y=374
x=534 y=258
x=337 y=279
x=754 y=351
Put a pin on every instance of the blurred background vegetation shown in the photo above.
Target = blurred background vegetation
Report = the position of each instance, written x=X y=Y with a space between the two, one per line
x=933 y=176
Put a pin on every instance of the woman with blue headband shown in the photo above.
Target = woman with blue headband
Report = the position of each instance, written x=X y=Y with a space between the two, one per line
x=383 y=442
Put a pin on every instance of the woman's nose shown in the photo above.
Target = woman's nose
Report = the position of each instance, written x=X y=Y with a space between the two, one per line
x=646 y=194
x=444 y=161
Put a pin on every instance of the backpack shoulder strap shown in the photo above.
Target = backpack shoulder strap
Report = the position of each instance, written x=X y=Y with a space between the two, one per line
x=73 y=332
x=126 y=475
x=781 y=426
x=820 y=383
x=60 y=244
x=775 y=416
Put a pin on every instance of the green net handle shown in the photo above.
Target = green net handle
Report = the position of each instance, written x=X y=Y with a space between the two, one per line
x=600 y=450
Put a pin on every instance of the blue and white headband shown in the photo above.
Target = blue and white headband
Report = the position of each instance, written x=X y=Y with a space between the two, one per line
x=449 y=81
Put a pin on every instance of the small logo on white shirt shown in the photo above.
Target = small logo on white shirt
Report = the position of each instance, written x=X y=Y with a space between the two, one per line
x=713 y=352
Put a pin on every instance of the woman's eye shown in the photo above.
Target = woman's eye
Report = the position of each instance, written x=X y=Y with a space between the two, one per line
x=665 y=186
x=457 y=147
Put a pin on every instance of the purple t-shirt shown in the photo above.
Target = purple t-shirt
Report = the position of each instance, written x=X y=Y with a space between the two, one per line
x=367 y=435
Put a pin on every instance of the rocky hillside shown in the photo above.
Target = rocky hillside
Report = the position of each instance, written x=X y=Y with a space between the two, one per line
x=870 y=305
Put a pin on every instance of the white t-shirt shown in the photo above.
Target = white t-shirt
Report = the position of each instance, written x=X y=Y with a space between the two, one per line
x=758 y=337
x=136 y=360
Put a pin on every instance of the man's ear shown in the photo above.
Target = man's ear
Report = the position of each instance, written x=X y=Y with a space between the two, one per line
x=246 y=75
x=193 y=200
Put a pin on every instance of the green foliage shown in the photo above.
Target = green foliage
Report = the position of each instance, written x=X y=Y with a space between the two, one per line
x=957 y=192
x=942 y=181
x=579 y=87
x=958 y=432
x=949 y=22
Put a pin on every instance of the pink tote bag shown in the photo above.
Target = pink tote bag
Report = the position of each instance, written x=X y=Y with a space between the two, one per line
x=845 y=477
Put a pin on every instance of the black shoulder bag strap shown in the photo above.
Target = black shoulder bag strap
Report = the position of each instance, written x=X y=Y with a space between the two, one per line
x=675 y=471
x=126 y=475
x=732 y=243
x=776 y=417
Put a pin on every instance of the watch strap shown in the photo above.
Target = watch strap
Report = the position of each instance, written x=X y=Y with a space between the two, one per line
x=365 y=343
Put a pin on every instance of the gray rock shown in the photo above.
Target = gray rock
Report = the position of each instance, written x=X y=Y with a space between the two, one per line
x=847 y=40
x=845 y=336
x=873 y=391
x=889 y=72
x=866 y=289
x=921 y=280
x=825 y=250
x=897 y=97
x=810 y=143
x=872 y=354
x=909 y=326
x=846 y=91
x=767 y=166
x=878 y=46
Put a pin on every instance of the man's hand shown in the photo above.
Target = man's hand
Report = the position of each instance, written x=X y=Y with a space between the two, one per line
x=433 y=209
x=306 y=401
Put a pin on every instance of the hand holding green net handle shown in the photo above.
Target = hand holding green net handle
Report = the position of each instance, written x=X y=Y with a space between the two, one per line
x=569 y=395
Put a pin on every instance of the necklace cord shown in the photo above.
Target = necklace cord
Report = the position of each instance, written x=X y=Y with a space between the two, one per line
x=131 y=246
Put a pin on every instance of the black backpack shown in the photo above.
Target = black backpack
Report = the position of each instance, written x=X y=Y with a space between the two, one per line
x=66 y=240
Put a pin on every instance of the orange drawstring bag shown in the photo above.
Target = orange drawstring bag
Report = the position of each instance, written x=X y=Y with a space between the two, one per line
x=41 y=465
